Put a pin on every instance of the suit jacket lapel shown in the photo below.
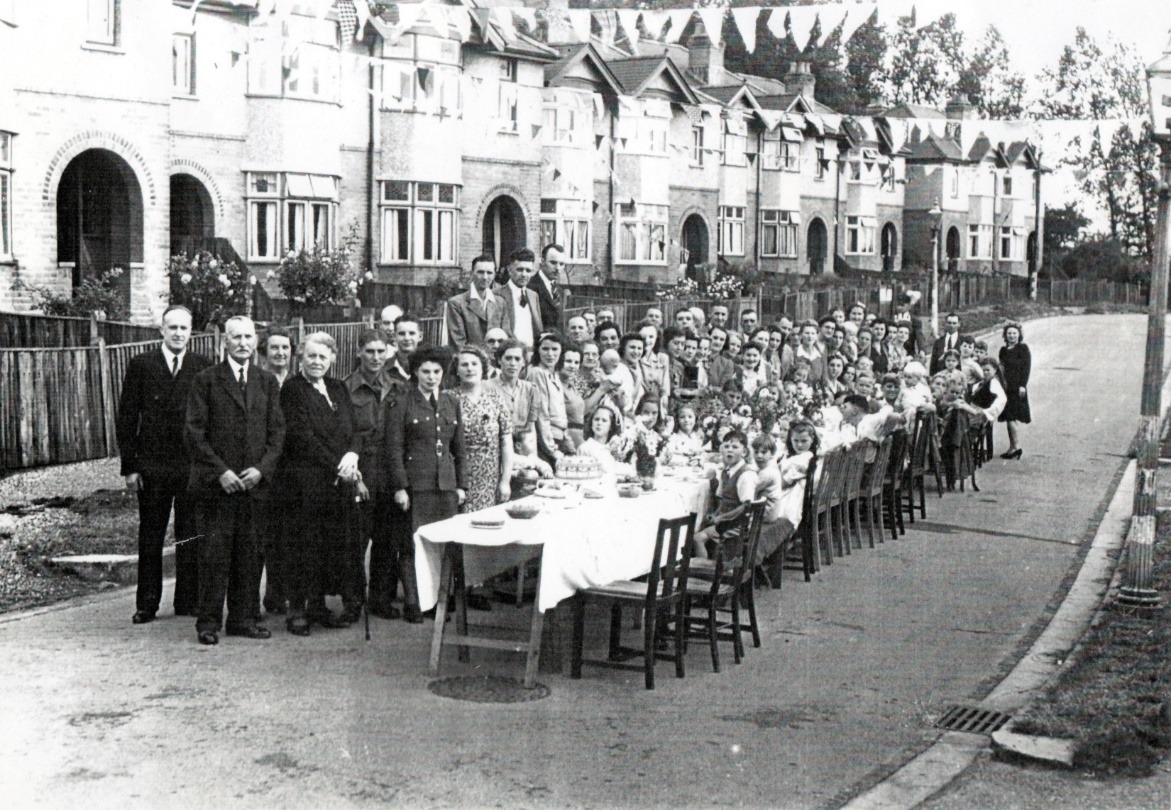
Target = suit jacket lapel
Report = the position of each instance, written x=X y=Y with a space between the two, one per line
x=232 y=384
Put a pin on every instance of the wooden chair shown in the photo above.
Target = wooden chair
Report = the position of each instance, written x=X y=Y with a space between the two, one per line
x=840 y=530
x=924 y=458
x=852 y=488
x=660 y=599
x=730 y=587
x=827 y=483
x=892 y=486
x=805 y=537
x=874 y=489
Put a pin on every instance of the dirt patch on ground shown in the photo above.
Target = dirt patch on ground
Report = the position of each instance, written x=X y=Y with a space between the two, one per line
x=32 y=533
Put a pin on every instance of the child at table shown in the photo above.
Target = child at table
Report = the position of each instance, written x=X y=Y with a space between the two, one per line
x=735 y=489
x=687 y=440
x=601 y=429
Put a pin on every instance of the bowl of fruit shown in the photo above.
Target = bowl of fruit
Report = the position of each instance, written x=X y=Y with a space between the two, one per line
x=522 y=510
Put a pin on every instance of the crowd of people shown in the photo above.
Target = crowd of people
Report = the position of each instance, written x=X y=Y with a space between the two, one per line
x=296 y=474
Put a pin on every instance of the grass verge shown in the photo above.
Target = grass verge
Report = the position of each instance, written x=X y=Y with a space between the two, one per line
x=1111 y=697
x=980 y=319
x=104 y=522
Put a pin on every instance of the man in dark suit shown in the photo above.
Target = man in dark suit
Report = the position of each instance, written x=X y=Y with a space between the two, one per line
x=235 y=431
x=948 y=341
x=406 y=340
x=471 y=314
x=155 y=463
x=522 y=308
x=546 y=284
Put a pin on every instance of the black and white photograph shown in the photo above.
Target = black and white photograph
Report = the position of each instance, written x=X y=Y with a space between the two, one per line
x=559 y=403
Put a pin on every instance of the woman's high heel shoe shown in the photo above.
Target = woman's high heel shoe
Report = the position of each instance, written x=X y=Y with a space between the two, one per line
x=1011 y=454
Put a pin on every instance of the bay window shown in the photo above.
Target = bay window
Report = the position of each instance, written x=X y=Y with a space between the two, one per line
x=860 y=235
x=731 y=235
x=567 y=223
x=979 y=241
x=289 y=211
x=1012 y=243
x=778 y=233
x=419 y=223
x=642 y=233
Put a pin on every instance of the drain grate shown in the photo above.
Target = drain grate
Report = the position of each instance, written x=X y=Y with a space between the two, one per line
x=972 y=720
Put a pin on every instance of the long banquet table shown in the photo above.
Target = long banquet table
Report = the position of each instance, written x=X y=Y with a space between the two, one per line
x=581 y=543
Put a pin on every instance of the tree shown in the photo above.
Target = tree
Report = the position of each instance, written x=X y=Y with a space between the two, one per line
x=989 y=81
x=866 y=63
x=833 y=87
x=926 y=62
x=1063 y=228
x=1091 y=81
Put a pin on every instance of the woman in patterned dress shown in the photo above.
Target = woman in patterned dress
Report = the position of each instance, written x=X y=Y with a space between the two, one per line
x=487 y=419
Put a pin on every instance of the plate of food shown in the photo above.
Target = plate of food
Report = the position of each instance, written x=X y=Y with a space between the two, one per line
x=591 y=494
x=551 y=492
x=487 y=523
x=629 y=491
x=523 y=511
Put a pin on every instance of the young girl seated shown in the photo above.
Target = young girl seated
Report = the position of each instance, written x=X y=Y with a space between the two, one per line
x=735 y=489
x=601 y=428
x=687 y=440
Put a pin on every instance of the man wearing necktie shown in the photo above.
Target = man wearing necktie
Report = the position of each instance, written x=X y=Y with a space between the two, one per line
x=155 y=463
x=948 y=341
x=472 y=314
x=545 y=285
x=235 y=430
x=522 y=308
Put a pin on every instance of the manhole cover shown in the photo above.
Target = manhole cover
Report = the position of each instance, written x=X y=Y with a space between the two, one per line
x=972 y=719
x=487 y=689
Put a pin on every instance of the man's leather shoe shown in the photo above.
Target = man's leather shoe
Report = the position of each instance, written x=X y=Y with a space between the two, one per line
x=412 y=615
x=250 y=631
x=298 y=626
x=142 y=617
x=387 y=612
x=328 y=619
x=350 y=615
x=208 y=637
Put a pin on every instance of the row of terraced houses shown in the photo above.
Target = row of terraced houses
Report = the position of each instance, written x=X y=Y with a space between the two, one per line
x=133 y=129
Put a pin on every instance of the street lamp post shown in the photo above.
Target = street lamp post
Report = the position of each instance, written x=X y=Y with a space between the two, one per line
x=936 y=214
x=1136 y=588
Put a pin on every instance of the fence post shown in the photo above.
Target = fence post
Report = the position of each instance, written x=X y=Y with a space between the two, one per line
x=107 y=398
x=94 y=334
x=217 y=345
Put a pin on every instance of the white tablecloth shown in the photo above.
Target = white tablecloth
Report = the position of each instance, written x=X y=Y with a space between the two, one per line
x=586 y=542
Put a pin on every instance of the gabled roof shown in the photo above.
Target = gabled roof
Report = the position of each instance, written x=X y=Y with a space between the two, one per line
x=506 y=40
x=907 y=110
x=980 y=148
x=934 y=149
x=574 y=54
x=729 y=95
x=635 y=73
x=786 y=102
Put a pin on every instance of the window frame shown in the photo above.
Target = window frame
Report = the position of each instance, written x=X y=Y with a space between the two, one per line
x=821 y=170
x=508 y=108
x=642 y=221
x=730 y=234
x=562 y=225
x=1006 y=185
x=860 y=238
x=786 y=230
x=110 y=34
x=697 y=146
x=295 y=201
x=730 y=140
x=418 y=228
x=187 y=89
x=980 y=238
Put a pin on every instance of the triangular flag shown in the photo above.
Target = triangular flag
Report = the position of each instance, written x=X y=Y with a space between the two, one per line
x=679 y=18
x=802 y=18
x=598 y=141
x=623 y=140
x=745 y=19
x=713 y=21
x=856 y=17
x=461 y=18
x=629 y=19
x=536 y=130
x=595 y=206
x=556 y=174
x=579 y=20
x=501 y=16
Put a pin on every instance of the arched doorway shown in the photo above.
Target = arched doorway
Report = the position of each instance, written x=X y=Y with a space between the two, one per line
x=953 y=248
x=695 y=242
x=99 y=218
x=1031 y=252
x=890 y=246
x=192 y=215
x=504 y=229
x=817 y=240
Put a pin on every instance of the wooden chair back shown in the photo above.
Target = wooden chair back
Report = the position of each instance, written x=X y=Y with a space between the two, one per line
x=876 y=474
x=926 y=424
x=671 y=560
x=897 y=462
x=855 y=469
x=734 y=566
x=830 y=479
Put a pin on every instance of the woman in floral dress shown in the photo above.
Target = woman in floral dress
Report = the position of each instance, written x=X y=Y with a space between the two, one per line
x=487 y=419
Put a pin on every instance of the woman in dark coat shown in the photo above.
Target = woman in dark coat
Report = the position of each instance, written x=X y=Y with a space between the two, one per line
x=424 y=458
x=319 y=470
x=1016 y=362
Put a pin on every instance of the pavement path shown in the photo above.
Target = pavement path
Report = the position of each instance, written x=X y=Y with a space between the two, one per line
x=854 y=669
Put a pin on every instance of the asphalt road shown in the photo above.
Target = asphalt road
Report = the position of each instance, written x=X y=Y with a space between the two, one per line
x=854 y=669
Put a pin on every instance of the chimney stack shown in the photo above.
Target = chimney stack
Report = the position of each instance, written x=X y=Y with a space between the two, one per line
x=960 y=108
x=801 y=79
x=705 y=59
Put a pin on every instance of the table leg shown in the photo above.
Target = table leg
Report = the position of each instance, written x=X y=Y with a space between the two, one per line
x=461 y=601
x=551 y=646
x=441 y=607
x=533 y=659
